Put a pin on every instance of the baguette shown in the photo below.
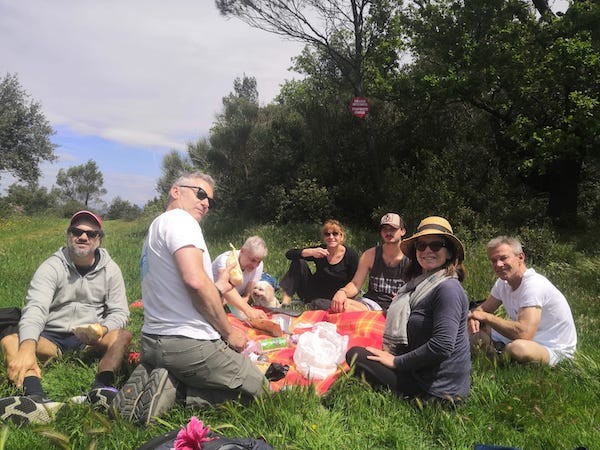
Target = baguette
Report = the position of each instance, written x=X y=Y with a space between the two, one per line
x=91 y=331
x=235 y=274
x=268 y=326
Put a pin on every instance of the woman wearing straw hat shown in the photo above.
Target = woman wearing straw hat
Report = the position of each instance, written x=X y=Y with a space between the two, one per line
x=426 y=352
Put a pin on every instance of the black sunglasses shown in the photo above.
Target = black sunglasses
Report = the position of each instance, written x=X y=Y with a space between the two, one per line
x=92 y=234
x=201 y=195
x=435 y=246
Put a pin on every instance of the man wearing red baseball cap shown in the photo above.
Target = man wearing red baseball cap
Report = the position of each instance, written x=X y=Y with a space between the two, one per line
x=76 y=298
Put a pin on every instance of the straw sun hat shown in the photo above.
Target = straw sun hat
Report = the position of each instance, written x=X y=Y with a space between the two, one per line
x=437 y=226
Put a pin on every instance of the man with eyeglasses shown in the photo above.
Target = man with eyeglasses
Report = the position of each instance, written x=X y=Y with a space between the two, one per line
x=189 y=350
x=539 y=327
x=76 y=299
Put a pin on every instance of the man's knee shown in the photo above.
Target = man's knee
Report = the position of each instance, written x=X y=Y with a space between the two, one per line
x=525 y=351
x=124 y=335
x=118 y=337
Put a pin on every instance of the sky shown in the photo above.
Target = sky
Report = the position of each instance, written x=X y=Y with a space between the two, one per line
x=124 y=82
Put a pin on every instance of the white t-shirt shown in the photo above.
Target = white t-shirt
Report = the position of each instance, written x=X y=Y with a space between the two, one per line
x=556 y=329
x=220 y=262
x=168 y=307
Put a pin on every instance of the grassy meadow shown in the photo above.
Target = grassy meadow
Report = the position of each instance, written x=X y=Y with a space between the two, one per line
x=528 y=407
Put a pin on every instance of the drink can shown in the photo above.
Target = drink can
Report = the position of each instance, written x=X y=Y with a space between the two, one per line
x=267 y=345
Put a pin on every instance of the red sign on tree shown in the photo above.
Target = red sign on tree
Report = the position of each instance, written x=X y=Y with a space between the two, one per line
x=359 y=107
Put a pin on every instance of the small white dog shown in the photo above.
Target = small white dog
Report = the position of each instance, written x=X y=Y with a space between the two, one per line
x=263 y=294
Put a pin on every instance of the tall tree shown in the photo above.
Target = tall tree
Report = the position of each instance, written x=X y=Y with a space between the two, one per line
x=84 y=183
x=229 y=151
x=355 y=41
x=348 y=31
x=538 y=80
x=24 y=132
x=173 y=165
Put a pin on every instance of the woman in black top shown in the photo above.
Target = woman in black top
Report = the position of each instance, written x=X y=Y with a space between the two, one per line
x=335 y=265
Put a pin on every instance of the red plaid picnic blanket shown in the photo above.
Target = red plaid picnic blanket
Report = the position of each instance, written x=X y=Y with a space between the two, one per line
x=362 y=328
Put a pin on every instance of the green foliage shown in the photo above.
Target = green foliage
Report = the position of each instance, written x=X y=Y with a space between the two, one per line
x=537 y=82
x=510 y=404
x=492 y=120
x=305 y=202
x=83 y=183
x=173 y=165
x=123 y=209
x=31 y=199
x=24 y=132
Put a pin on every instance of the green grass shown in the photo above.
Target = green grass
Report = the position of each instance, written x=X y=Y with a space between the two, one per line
x=528 y=407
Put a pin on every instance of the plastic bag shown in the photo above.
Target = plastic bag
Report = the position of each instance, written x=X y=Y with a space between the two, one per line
x=320 y=351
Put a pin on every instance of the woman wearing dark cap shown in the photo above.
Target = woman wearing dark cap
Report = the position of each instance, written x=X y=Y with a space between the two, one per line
x=426 y=352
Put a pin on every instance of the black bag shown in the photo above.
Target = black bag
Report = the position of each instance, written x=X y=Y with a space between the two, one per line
x=9 y=319
x=167 y=441
x=9 y=316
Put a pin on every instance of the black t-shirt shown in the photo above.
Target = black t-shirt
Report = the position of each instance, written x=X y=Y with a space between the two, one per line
x=328 y=278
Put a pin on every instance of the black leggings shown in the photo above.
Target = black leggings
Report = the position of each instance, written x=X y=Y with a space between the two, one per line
x=298 y=280
x=376 y=374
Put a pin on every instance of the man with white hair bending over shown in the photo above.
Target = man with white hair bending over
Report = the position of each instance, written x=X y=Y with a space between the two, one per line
x=250 y=258
x=539 y=327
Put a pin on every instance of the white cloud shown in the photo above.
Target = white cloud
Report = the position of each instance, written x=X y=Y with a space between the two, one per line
x=152 y=68
x=142 y=73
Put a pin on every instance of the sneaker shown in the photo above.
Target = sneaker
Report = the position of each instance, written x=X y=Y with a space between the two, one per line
x=127 y=398
x=102 y=398
x=78 y=399
x=159 y=395
x=28 y=409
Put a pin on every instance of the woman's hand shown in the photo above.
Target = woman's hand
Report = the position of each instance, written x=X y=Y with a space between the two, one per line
x=317 y=252
x=385 y=358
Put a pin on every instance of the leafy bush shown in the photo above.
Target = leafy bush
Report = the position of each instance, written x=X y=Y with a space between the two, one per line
x=123 y=209
x=306 y=201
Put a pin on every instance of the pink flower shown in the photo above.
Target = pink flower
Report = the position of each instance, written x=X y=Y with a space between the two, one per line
x=192 y=436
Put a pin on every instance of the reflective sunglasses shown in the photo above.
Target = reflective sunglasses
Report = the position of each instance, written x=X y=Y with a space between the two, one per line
x=91 y=234
x=201 y=195
x=331 y=233
x=435 y=246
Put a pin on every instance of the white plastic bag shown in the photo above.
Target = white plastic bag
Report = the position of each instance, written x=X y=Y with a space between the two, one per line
x=320 y=351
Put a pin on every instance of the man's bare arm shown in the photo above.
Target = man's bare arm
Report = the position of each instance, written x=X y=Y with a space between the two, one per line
x=205 y=297
x=524 y=327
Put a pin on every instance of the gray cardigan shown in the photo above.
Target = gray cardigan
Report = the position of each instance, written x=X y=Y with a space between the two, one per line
x=59 y=298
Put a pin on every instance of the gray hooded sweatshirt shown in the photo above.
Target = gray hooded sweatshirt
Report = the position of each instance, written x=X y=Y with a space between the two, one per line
x=60 y=298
